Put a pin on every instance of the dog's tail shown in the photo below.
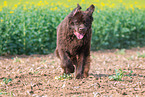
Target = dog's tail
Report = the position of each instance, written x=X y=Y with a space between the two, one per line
x=56 y=53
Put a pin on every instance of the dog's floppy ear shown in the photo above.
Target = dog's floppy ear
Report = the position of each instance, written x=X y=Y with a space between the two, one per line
x=91 y=9
x=75 y=11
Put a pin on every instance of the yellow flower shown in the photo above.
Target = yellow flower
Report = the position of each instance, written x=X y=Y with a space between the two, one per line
x=139 y=7
x=46 y=2
x=83 y=0
x=98 y=11
x=11 y=11
x=97 y=0
x=38 y=4
x=5 y=3
x=59 y=3
x=68 y=0
x=27 y=2
x=135 y=2
x=132 y=7
x=40 y=1
x=24 y=7
x=0 y=8
x=108 y=1
x=52 y=4
x=19 y=3
x=71 y=8
x=33 y=3
x=102 y=4
x=16 y=5
x=55 y=8
x=95 y=4
x=42 y=4
x=66 y=6
x=2 y=20
x=120 y=1
x=111 y=6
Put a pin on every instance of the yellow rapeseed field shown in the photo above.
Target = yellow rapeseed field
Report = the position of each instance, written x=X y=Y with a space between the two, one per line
x=71 y=3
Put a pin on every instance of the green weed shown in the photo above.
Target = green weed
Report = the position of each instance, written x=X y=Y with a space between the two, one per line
x=36 y=72
x=16 y=59
x=6 y=81
x=130 y=74
x=120 y=52
x=118 y=76
x=64 y=76
x=131 y=57
x=5 y=93
x=140 y=55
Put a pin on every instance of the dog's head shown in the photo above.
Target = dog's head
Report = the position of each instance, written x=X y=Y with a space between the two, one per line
x=80 y=21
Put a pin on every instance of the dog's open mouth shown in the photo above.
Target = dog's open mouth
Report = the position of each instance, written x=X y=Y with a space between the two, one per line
x=79 y=35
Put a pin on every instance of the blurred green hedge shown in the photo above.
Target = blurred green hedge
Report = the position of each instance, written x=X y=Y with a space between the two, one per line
x=33 y=30
x=118 y=28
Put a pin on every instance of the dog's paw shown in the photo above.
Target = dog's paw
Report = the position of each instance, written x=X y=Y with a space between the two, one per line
x=71 y=69
x=79 y=76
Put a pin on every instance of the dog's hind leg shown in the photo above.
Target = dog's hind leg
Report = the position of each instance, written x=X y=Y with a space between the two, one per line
x=57 y=53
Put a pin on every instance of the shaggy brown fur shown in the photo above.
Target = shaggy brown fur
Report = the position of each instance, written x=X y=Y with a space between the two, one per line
x=73 y=42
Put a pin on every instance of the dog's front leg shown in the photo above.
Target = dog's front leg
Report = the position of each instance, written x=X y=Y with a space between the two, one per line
x=83 y=65
x=80 y=65
x=66 y=63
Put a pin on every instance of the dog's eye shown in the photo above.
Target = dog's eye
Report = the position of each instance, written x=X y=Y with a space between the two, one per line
x=72 y=23
x=85 y=23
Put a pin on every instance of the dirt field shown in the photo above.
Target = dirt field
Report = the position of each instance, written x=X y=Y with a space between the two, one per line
x=34 y=76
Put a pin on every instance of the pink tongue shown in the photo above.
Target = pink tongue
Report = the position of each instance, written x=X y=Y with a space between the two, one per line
x=78 y=35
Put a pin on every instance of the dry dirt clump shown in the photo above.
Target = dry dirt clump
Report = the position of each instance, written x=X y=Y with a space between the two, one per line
x=35 y=76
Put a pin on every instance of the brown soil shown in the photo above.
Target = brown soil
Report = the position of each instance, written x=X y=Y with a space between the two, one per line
x=35 y=76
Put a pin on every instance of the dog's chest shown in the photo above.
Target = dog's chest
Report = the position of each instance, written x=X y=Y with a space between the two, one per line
x=74 y=45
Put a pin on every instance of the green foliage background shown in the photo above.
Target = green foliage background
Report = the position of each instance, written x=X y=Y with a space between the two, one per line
x=33 y=30
x=118 y=28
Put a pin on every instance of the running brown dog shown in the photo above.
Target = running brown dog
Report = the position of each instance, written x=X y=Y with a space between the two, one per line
x=74 y=41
